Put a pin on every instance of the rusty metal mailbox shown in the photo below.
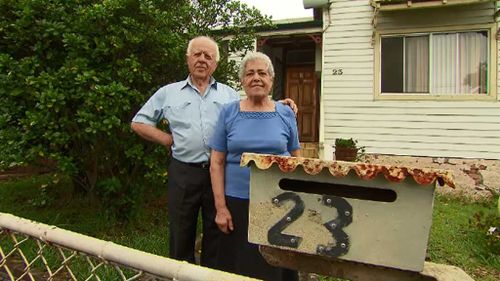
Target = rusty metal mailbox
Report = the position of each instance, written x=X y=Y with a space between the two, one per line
x=371 y=214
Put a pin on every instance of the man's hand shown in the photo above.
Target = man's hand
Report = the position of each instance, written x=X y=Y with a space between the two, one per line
x=224 y=220
x=168 y=144
x=153 y=134
x=291 y=104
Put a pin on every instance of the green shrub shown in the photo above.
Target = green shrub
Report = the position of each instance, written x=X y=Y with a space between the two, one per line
x=350 y=144
x=73 y=74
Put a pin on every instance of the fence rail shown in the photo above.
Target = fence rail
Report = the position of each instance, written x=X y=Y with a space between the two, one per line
x=36 y=251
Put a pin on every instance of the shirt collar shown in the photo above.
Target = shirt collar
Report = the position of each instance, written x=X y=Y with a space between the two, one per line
x=188 y=81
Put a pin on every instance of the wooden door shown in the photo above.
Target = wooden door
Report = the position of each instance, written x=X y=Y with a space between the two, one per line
x=301 y=87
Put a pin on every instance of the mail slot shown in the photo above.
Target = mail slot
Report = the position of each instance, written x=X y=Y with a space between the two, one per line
x=372 y=214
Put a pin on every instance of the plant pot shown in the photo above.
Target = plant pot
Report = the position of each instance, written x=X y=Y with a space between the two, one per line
x=346 y=153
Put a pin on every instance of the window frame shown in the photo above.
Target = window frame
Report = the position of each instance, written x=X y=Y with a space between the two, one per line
x=492 y=64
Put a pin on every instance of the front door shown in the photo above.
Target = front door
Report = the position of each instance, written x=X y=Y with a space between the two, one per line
x=301 y=87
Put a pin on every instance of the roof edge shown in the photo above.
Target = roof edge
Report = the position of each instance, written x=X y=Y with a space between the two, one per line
x=365 y=171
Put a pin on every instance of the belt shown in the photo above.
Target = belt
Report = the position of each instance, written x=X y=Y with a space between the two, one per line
x=202 y=165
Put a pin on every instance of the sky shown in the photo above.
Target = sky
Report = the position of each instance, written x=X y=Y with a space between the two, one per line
x=280 y=9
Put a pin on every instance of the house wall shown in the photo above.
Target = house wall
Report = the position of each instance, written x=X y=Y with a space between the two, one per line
x=427 y=128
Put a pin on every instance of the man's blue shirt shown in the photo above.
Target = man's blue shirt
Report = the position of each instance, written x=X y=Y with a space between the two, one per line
x=192 y=117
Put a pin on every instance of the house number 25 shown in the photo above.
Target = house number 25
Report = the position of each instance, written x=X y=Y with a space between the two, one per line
x=337 y=71
x=335 y=226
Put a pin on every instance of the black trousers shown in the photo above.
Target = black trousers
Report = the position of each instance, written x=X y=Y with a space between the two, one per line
x=239 y=256
x=189 y=190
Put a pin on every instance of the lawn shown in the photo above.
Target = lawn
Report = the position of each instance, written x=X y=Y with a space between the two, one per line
x=459 y=234
x=56 y=204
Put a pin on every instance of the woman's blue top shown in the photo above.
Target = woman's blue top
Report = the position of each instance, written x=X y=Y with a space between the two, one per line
x=259 y=132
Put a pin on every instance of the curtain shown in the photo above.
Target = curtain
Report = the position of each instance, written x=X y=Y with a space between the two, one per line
x=444 y=63
x=473 y=66
x=417 y=64
x=459 y=63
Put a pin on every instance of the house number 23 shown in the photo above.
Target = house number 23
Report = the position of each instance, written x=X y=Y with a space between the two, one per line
x=335 y=226
x=337 y=71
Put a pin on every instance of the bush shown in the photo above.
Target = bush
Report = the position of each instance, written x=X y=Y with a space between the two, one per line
x=349 y=150
x=73 y=74
x=348 y=143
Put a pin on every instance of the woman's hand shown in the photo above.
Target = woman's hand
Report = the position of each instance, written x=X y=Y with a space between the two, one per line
x=224 y=220
x=223 y=217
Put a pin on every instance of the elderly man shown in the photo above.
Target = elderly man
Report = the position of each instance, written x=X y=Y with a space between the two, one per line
x=192 y=108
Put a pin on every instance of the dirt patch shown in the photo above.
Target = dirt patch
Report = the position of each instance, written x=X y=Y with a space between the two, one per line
x=41 y=166
x=474 y=178
x=17 y=269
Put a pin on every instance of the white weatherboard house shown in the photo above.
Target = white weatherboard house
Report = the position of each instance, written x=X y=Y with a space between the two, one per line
x=415 y=82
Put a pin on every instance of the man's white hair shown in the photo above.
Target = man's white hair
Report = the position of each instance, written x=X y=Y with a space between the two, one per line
x=190 y=46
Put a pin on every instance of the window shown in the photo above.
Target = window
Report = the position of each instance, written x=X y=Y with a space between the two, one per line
x=435 y=63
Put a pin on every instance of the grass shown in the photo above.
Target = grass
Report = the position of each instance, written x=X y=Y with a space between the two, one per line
x=458 y=235
x=56 y=204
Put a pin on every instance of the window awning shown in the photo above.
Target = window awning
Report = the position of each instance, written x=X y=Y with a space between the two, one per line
x=391 y=5
x=401 y=5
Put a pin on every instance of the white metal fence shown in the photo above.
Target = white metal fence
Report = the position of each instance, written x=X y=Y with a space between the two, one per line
x=35 y=251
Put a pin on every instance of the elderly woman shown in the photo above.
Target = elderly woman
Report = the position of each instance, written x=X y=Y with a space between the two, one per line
x=255 y=124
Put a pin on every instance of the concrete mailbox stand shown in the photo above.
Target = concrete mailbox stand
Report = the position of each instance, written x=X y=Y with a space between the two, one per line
x=348 y=215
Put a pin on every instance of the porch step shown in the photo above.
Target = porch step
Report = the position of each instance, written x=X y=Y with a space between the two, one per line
x=309 y=149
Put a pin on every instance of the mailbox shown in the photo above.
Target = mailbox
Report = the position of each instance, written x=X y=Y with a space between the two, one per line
x=371 y=214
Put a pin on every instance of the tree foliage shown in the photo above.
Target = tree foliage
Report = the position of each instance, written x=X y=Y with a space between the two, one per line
x=73 y=73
